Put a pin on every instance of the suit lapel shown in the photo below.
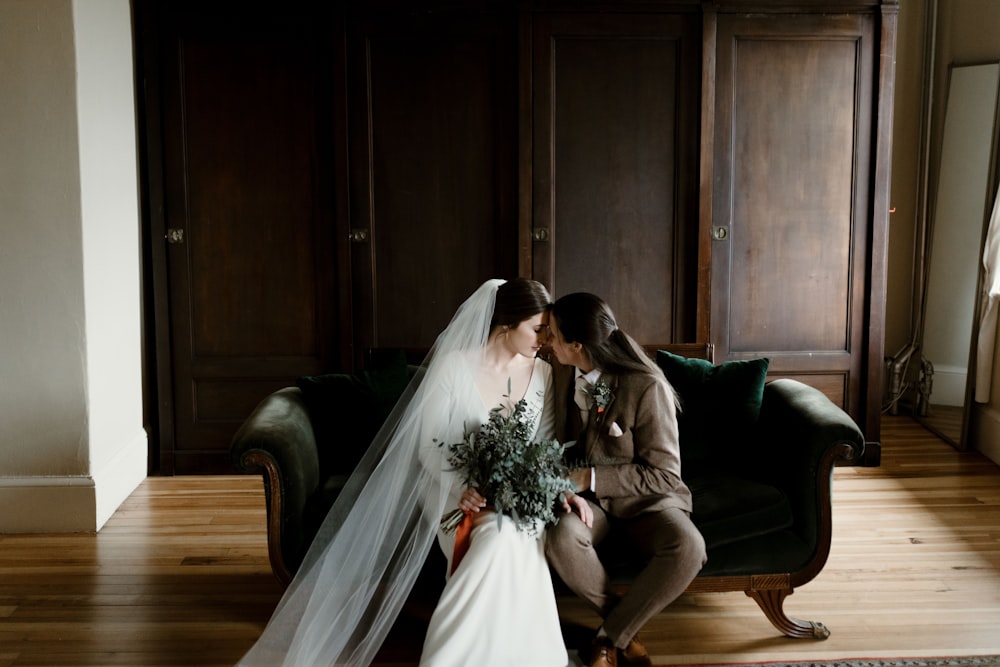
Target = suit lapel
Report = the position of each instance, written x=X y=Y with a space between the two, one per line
x=597 y=422
x=574 y=421
x=569 y=426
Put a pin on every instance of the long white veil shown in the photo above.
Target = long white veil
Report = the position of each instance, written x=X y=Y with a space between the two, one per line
x=370 y=548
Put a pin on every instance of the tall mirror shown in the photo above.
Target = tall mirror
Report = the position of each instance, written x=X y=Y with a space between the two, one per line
x=963 y=201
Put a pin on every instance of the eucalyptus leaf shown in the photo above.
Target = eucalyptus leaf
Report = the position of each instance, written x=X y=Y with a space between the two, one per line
x=521 y=478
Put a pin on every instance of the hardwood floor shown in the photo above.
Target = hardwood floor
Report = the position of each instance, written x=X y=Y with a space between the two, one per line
x=945 y=421
x=179 y=576
x=914 y=568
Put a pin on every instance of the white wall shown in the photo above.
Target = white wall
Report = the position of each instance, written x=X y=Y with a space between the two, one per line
x=111 y=248
x=71 y=440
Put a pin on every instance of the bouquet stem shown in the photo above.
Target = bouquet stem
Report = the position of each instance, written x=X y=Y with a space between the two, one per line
x=450 y=521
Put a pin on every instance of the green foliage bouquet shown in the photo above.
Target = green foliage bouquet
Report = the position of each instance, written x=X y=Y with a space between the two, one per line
x=518 y=477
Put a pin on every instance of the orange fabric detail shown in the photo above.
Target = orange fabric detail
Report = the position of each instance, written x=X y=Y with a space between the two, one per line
x=462 y=540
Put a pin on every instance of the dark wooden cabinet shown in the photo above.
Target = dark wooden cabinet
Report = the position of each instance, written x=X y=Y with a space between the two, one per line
x=345 y=175
x=614 y=195
x=242 y=260
x=432 y=104
x=794 y=225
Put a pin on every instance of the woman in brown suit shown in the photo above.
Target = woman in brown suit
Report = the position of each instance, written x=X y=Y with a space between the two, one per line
x=622 y=413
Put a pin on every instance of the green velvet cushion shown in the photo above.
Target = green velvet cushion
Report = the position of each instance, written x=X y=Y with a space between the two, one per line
x=347 y=411
x=719 y=404
x=782 y=551
x=728 y=508
x=734 y=515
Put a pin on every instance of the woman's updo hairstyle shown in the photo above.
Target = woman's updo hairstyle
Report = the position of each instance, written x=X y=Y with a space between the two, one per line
x=586 y=319
x=518 y=300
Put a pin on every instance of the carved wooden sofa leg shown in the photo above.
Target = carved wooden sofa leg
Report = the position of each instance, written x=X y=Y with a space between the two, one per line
x=771 y=601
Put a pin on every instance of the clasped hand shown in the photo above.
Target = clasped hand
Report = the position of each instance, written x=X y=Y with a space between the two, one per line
x=471 y=501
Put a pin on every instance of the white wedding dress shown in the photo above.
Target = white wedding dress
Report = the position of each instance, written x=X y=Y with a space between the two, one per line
x=498 y=608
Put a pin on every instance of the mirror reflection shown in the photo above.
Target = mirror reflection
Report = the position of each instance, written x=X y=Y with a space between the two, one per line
x=962 y=206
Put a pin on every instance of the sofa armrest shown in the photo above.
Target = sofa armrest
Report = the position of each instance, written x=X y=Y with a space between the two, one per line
x=802 y=423
x=802 y=435
x=277 y=440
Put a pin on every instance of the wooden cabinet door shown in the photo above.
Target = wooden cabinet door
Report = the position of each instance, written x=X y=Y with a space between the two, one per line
x=792 y=214
x=242 y=229
x=321 y=181
x=433 y=140
x=615 y=164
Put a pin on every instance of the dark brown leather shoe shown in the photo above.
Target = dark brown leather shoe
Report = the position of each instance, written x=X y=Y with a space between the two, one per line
x=603 y=653
x=636 y=655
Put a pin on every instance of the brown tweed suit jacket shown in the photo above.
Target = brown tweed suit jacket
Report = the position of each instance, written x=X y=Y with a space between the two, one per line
x=639 y=470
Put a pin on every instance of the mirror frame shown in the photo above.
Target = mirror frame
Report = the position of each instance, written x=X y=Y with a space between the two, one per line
x=928 y=241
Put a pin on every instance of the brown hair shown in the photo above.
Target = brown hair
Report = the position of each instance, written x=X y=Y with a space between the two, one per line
x=518 y=300
x=586 y=319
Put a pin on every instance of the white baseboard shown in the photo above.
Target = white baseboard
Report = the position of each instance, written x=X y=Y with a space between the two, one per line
x=47 y=505
x=986 y=432
x=949 y=385
x=72 y=503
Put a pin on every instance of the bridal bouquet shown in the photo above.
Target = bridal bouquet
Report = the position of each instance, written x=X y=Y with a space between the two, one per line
x=518 y=477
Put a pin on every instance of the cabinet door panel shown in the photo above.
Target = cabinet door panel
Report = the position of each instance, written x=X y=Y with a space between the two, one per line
x=615 y=165
x=250 y=264
x=793 y=145
x=433 y=178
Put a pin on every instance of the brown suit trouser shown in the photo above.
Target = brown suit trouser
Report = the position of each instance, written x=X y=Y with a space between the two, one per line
x=667 y=538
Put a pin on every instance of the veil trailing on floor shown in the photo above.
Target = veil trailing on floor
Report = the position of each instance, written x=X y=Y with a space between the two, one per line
x=370 y=548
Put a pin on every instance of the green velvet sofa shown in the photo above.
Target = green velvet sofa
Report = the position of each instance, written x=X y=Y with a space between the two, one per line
x=758 y=457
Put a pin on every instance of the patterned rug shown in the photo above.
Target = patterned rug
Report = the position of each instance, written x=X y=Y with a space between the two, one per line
x=971 y=661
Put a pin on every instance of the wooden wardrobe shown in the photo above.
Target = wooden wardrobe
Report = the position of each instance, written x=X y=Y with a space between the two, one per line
x=321 y=181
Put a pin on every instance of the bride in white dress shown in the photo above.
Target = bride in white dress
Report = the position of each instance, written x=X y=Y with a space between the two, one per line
x=498 y=607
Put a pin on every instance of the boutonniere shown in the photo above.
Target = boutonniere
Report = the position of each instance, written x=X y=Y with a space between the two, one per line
x=602 y=395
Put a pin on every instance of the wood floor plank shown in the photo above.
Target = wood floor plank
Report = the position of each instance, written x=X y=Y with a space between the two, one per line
x=180 y=576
